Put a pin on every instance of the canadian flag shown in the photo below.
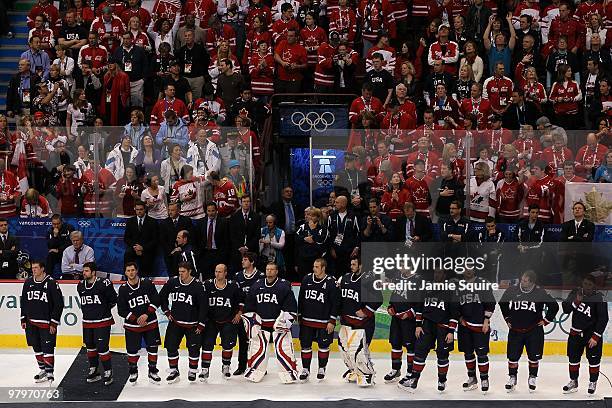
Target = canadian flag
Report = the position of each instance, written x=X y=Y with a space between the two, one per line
x=19 y=161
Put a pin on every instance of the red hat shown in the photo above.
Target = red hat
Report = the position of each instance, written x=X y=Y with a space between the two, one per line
x=39 y=115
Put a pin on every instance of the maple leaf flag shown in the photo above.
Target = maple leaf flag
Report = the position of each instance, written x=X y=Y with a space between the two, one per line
x=19 y=161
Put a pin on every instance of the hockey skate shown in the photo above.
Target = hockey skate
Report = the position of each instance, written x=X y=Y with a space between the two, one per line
x=41 y=376
x=484 y=385
x=350 y=376
x=174 y=376
x=572 y=386
x=108 y=377
x=93 y=375
x=305 y=375
x=154 y=377
x=365 y=380
x=393 y=376
x=470 y=384
x=321 y=373
x=192 y=375
x=50 y=378
x=532 y=383
x=511 y=384
x=204 y=375
x=225 y=372
x=408 y=384
x=441 y=386
x=592 y=387
x=134 y=377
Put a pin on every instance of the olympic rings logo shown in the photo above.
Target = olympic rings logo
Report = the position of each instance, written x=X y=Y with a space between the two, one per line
x=608 y=231
x=313 y=121
x=84 y=224
x=563 y=317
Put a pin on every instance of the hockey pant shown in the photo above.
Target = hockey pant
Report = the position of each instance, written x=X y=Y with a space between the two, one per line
x=475 y=348
x=577 y=344
x=533 y=342
x=227 y=331
x=43 y=344
x=401 y=334
x=322 y=337
x=434 y=335
x=96 y=341
x=133 y=343
x=172 y=341
x=259 y=340
x=356 y=353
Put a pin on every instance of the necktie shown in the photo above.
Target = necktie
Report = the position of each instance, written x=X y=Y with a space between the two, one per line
x=246 y=218
x=3 y=241
x=233 y=154
x=139 y=224
x=76 y=255
x=175 y=222
x=290 y=217
x=209 y=237
x=411 y=227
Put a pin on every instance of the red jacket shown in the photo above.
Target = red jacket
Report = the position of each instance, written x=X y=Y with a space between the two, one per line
x=163 y=105
x=9 y=186
x=204 y=10
x=481 y=108
x=280 y=27
x=168 y=8
x=97 y=56
x=141 y=13
x=509 y=198
x=213 y=38
x=588 y=157
x=496 y=139
x=119 y=96
x=50 y=12
x=312 y=39
x=556 y=158
x=225 y=197
x=344 y=22
x=263 y=11
x=252 y=41
x=498 y=91
x=394 y=207
x=419 y=194
x=374 y=16
x=450 y=57
x=541 y=192
x=262 y=79
x=570 y=90
x=431 y=160
x=359 y=105
x=292 y=53
x=116 y=6
x=573 y=29
x=116 y=32
x=68 y=193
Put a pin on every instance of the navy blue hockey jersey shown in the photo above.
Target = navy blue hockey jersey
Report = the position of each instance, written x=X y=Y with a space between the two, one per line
x=97 y=301
x=318 y=301
x=351 y=301
x=41 y=302
x=185 y=304
x=589 y=315
x=223 y=303
x=267 y=300
x=524 y=310
x=134 y=301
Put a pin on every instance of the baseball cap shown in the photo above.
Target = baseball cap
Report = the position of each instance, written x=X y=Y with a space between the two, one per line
x=234 y=163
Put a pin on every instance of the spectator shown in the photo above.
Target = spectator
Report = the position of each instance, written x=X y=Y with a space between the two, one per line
x=93 y=53
x=160 y=69
x=72 y=36
x=499 y=50
x=590 y=156
x=58 y=239
x=411 y=227
x=445 y=50
x=89 y=82
x=565 y=96
x=214 y=240
x=374 y=18
x=122 y=155
x=22 y=89
x=134 y=9
x=148 y=158
x=45 y=34
x=521 y=112
x=171 y=168
x=133 y=61
x=183 y=252
x=364 y=104
x=283 y=23
x=39 y=60
x=79 y=113
x=98 y=202
x=194 y=59
x=565 y=25
x=141 y=240
x=109 y=28
x=199 y=33
x=189 y=191
x=245 y=232
x=233 y=150
x=344 y=235
x=224 y=194
x=218 y=32
x=377 y=227
x=154 y=198
x=343 y=20
x=166 y=104
x=380 y=79
x=344 y=68
x=75 y=256
x=262 y=71
x=83 y=161
x=128 y=190
x=9 y=192
x=33 y=205
x=437 y=77
x=115 y=96
x=604 y=172
x=259 y=31
x=311 y=240
x=220 y=54
x=394 y=197
x=292 y=60
x=418 y=186
x=449 y=190
x=68 y=192
x=387 y=53
x=271 y=244
x=482 y=194
x=9 y=249
x=173 y=131
x=136 y=129
x=161 y=30
x=557 y=154
x=48 y=100
x=229 y=82
x=139 y=37
x=203 y=155
x=463 y=86
x=169 y=229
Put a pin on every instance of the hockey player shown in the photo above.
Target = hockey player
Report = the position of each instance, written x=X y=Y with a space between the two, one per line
x=475 y=310
x=317 y=307
x=245 y=279
x=358 y=323
x=402 y=329
x=41 y=306
x=589 y=320
x=225 y=305
x=137 y=303
x=183 y=301
x=522 y=307
x=98 y=297
x=436 y=321
x=272 y=308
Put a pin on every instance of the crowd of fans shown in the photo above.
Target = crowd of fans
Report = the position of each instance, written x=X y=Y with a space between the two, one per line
x=459 y=99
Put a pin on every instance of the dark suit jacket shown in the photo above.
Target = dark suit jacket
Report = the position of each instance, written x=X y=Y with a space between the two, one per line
x=147 y=237
x=245 y=233
x=168 y=232
x=222 y=236
x=510 y=119
x=422 y=228
x=278 y=209
x=585 y=232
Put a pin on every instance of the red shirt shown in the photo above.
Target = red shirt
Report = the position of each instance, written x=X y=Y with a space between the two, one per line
x=498 y=91
x=162 y=106
x=141 y=13
x=541 y=192
x=262 y=78
x=116 y=32
x=225 y=197
x=419 y=194
x=359 y=105
x=9 y=186
x=509 y=198
x=280 y=27
x=291 y=53
x=344 y=21
x=480 y=108
x=312 y=39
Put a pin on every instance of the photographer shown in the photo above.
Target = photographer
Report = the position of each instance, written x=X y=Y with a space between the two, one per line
x=378 y=227
x=345 y=62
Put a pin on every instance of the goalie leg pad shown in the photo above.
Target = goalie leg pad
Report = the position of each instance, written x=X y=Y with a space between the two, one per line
x=345 y=337
x=283 y=346
x=257 y=361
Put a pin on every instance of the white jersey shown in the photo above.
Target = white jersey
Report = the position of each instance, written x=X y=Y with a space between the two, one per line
x=482 y=200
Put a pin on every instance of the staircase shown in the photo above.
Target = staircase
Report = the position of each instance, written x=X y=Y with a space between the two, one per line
x=11 y=49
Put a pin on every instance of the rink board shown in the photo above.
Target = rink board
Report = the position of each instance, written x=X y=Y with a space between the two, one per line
x=70 y=329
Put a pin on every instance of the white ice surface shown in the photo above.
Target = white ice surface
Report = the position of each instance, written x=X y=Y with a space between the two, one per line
x=18 y=367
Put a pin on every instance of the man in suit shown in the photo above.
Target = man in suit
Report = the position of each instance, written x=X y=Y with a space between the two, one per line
x=412 y=227
x=286 y=213
x=520 y=112
x=214 y=241
x=183 y=253
x=9 y=248
x=141 y=240
x=577 y=258
x=344 y=237
x=245 y=226
x=168 y=231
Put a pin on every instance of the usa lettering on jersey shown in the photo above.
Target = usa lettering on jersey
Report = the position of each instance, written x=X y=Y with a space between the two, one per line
x=267 y=298
x=181 y=298
x=138 y=301
x=522 y=305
